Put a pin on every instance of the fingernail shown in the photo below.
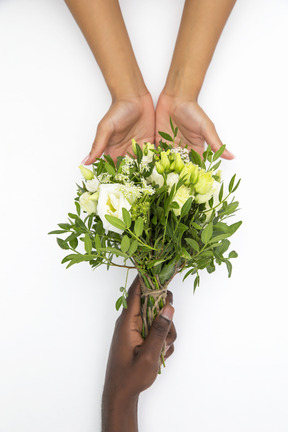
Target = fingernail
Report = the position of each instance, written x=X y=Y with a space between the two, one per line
x=85 y=159
x=167 y=312
x=167 y=348
x=230 y=154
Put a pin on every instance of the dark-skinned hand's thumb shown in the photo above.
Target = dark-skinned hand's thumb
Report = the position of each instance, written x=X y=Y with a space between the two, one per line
x=159 y=331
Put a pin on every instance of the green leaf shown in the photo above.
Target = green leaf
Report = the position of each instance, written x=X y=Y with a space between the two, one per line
x=186 y=207
x=118 y=303
x=233 y=254
x=220 y=196
x=97 y=242
x=193 y=244
x=207 y=233
x=73 y=243
x=126 y=217
x=62 y=243
x=185 y=254
x=133 y=247
x=195 y=157
x=236 y=187
x=124 y=302
x=196 y=226
x=125 y=243
x=73 y=216
x=57 y=232
x=139 y=153
x=215 y=166
x=234 y=227
x=78 y=208
x=88 y=243
x=116 y=222
x=229 y=209
x=110 y=169
x=219 y=152
x=65 y=226
x=223 y=247
x=166 y=136
x=231 y=183
x=229 y=268
x=196 y=283
x=166 y=272
x=219 y=237
x=114 y=251
x=138 y=228
x=172 y=126
x=174 y=205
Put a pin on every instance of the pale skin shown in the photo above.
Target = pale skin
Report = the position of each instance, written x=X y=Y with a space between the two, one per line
x=132 y=114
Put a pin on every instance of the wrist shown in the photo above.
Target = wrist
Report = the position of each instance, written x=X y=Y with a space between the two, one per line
x=130 y=86
x=119 y=412
x=180 y=84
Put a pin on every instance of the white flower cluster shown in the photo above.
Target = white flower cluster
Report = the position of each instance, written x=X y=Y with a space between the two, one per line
x=105 y=198
x=127 y=164
x=184 y=153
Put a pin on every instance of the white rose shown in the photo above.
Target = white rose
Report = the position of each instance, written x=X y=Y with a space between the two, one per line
x=181 y=197
x=92 y=185
x=156 y=177
x=147 y=153
x=204 y=198
x=88 y=202
x=111 y=201
x=215 y=194
x=172 y=179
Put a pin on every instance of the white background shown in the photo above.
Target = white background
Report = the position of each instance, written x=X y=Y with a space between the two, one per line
x=229 y=370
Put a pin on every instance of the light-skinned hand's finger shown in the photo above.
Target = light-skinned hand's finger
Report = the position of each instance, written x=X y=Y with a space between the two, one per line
x=103 y=135
x=212 y=138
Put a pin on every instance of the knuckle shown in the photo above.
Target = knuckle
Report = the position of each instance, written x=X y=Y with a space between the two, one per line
x=160 y=326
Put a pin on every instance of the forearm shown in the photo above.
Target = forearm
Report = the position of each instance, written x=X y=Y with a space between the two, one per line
x=102 y=25
x=201 y=26
x=119 y=414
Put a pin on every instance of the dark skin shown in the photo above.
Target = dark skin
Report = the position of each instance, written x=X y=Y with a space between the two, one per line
x=133 y=363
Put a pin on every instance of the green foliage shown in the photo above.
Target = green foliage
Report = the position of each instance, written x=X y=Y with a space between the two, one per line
x=158 y=238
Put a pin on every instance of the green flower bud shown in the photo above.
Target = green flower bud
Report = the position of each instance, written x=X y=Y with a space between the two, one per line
x=147 y=148
x=87 y=174
x=134 y=146
x=165 y=161
x=179 y=164
x=204 y=183
x=159 y=167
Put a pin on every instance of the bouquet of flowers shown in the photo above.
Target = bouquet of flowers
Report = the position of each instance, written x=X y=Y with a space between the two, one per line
x=161 y=212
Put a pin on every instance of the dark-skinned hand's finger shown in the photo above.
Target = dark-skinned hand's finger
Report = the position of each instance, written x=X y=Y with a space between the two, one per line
x=158 y=332
x=169 y=298
x=134 y=298
x=172 y=335
x=169 y=351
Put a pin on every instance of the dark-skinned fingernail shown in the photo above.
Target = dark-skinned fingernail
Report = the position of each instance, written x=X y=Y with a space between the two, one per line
x=167 y=312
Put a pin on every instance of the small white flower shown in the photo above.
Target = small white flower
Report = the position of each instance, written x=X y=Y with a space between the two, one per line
x=92 y=185
x=156 y=177
x=184 y=153
x=88 y=202
x=111 y=201
x=104 y=178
